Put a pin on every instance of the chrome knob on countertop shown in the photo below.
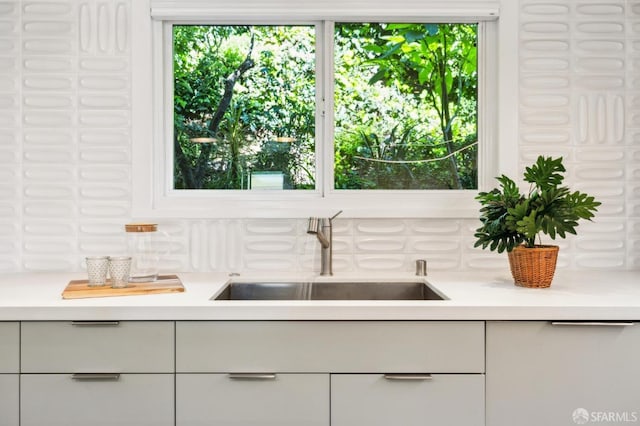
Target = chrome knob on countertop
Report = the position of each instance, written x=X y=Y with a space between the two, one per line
x=421 y=267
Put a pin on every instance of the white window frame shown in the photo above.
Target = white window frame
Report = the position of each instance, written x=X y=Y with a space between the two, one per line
x=154 y=195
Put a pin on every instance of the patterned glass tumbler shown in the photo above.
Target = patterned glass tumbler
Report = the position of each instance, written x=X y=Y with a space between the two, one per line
x=97 y=267
x=119 y=268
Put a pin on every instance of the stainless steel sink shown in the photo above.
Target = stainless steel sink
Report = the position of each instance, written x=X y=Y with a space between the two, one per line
x=333 y=290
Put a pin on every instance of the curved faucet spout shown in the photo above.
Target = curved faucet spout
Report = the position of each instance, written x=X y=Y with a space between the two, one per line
x=317 y=227
x=314 y=225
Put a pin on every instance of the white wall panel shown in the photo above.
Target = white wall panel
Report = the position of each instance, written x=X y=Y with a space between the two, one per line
x=103 y=130
x=376 y=263
x=10 y=150
x=66 y=148
x=599 y=110
x=10 y=217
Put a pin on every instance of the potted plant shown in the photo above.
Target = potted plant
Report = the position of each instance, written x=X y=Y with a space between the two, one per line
x=513 y=221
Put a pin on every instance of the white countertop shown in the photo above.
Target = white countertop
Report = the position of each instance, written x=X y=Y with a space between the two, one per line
x=590 y=295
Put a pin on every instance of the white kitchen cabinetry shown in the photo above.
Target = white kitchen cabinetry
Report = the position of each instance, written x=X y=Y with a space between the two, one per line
x=123 y=400
x=252 y=399
x=9 y=369
x=330 y=346
x=82 y=373
x=407 y=399
x=98 y=346
x=286 y=372
x=562 y=373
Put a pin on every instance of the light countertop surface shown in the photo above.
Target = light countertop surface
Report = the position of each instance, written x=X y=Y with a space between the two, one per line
x=578 y=296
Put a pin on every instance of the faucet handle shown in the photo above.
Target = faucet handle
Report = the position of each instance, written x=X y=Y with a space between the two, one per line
x=335 y=215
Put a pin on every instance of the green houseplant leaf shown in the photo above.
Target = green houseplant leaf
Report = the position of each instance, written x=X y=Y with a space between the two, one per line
x=510 y=218
x=495 y=232
x=545 y=173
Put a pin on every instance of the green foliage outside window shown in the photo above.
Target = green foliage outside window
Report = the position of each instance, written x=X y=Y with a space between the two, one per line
x=405 y=106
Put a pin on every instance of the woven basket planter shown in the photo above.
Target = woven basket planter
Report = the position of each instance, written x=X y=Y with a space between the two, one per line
x=534 y=266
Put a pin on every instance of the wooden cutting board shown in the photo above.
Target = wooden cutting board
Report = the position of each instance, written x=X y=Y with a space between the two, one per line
x=79 y=289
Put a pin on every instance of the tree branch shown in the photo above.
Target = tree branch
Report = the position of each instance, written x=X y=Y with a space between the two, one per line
x=223 y=106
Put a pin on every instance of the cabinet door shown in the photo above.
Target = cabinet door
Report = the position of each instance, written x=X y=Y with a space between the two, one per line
x=407 y=400
x=252 y=399
x=9 y=347
x=129 y=400
x=541 y=373
x=9 y=386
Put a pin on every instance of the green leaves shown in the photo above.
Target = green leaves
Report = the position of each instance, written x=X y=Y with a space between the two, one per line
x=379 y=75
x=496 y=231
x=244 y=86
x=397 y=73
x=583 y=205
x=412 y=36
x=509 y=218
x=545 y=173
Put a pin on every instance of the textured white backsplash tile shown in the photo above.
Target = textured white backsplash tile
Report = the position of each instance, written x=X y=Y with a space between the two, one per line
x=65 y=149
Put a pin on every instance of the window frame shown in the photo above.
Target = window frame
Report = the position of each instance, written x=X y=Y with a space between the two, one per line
x=161 y=199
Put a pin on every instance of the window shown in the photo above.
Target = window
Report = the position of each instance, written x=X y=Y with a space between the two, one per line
x=283 y=115
x=405 y=106
x=244 y=107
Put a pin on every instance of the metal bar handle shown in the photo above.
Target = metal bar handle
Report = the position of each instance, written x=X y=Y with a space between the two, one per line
x=410 y=376
x=594 y=323
x=252 y=376
x=95 y=376
x=94 y=323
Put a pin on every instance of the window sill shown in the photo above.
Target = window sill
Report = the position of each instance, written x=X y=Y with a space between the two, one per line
x=432 y=204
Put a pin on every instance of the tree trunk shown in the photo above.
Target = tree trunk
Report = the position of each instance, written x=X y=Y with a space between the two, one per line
x=183 y=163
x=196 y=174
x=445 y=118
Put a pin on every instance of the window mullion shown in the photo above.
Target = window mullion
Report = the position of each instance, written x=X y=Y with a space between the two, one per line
x=327 y=150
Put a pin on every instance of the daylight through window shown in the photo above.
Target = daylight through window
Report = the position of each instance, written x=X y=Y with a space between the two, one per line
x=404 y=97
x=244 y=107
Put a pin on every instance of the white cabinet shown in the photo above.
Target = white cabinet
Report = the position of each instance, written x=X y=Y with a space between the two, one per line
x=329 y=372
x=9 y=347
x=112 y=373
x=252 y=399
x=542 y=373
x=407 y=399
x=123 y=400
x=9 y=369
x=9 y=385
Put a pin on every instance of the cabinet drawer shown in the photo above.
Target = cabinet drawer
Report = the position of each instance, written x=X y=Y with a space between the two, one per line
x=9 y=385
x=76 y=347
x=407 y=400
x=282 y=399
x=131 y=400
x=9 y=347
x=330 y=346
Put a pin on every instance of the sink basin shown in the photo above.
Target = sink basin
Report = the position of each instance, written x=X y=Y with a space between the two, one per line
x=333 y=290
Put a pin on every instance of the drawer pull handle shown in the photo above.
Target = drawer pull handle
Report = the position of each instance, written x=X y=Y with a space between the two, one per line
x=95 y=323
x=594 y=323
x=252 y=376
x=408 y=377
x=95 y=376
